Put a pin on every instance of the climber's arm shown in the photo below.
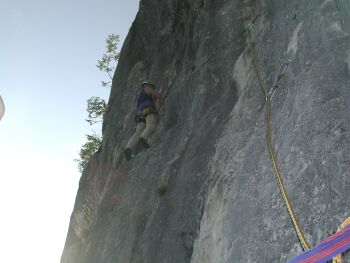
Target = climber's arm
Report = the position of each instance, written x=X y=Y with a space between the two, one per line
x=154 y=93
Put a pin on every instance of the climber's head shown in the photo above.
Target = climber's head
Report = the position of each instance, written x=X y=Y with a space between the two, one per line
x=148 y=84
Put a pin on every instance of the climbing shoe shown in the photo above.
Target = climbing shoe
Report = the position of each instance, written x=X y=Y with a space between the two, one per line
x=127 y=154
x=144 y=143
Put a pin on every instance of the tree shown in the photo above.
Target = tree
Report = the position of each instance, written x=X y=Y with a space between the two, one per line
x=97 y=107
x=88 y=149
x=109 y=59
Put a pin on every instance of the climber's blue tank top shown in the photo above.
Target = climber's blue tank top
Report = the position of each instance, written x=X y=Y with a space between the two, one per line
x=144 y=100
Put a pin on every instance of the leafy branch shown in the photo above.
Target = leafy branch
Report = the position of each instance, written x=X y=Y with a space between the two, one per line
x=88 y=149
x=108 y=61
x=97 y=107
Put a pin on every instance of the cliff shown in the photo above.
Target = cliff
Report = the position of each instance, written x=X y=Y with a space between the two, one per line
x=209 y=153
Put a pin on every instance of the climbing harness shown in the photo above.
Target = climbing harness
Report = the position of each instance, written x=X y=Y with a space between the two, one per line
x=139 y=117
x=145 y=105
x=149 y=110
x=142 y=114
x=339 y=242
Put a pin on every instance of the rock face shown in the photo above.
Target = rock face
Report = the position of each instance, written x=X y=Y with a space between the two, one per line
x=209 y=153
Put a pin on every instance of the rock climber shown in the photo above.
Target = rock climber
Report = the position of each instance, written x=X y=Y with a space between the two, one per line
x=2 y=108
x=146 y=118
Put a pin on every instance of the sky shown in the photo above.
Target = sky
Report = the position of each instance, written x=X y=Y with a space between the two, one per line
x=48 y=53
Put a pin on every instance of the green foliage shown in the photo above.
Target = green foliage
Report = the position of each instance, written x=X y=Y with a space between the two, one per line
x=97 y=107
x=88 y=149
x=189 y=251
x=109 y=60
x=162 y=189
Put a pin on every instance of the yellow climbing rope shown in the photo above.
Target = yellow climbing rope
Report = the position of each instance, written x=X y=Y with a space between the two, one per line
x=256 y=67
x=281 y=185
x=268 y=97
x=290 y=209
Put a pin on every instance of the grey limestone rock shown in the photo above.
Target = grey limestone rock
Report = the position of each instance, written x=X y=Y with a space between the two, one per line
x=222 y=202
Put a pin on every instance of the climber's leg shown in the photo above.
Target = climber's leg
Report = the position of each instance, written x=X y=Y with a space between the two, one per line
x=140 y=127
x=151 y=124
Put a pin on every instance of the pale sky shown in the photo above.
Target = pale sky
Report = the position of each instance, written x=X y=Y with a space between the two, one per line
x=48 y=53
